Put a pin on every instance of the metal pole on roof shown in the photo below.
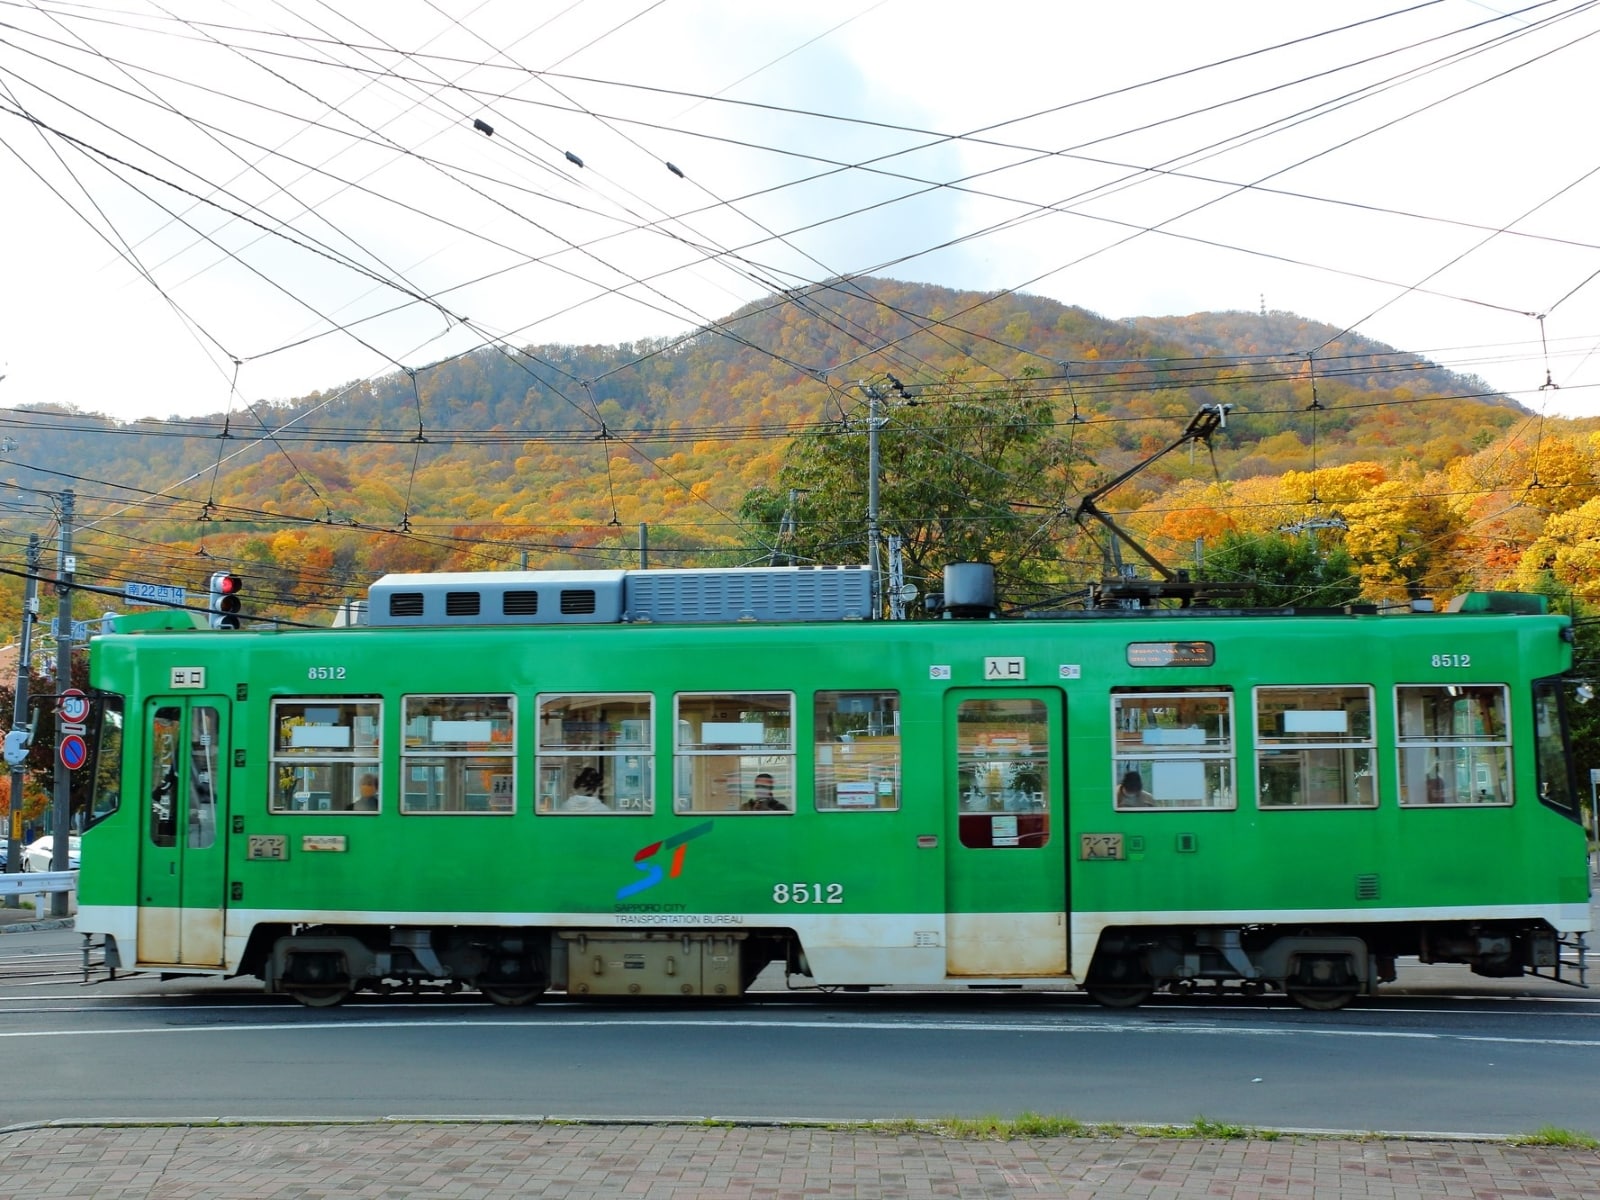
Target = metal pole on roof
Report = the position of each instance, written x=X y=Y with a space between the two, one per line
x=874 y=465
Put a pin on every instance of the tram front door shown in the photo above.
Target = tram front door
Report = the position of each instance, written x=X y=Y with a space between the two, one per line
x=181 y=847
x=1006 y=881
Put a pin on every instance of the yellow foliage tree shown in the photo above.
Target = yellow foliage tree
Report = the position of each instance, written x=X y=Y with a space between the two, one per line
x=1333 y=485
x=1566 y=553
x=1192 y=509
x=1402 y=538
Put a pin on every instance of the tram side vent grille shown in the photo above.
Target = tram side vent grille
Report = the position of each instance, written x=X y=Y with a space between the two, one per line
x=520 y=604
x=461 y=604
x=574 y=602
x=1366 y=887
x=405 y=604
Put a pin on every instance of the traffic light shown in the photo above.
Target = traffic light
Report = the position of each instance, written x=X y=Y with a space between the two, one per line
x=226 y=588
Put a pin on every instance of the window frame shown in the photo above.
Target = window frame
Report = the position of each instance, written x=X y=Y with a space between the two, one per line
x=1005 y=747
x=1552 y=748
x=779 y=759
x=345 y=765
x=495 y=756
x=1224 y=756
x=1282 y=744
x=558 y=764
x=163 y=730
x=106 y=772
x=873 y=776
x=1408 y=746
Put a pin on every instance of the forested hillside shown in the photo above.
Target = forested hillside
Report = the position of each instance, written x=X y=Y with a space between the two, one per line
x=557 y=455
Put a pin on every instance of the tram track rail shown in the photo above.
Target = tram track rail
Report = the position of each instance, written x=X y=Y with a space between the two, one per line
x=41 y=965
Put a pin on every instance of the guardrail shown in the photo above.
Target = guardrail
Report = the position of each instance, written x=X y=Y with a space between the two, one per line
x=38 y=884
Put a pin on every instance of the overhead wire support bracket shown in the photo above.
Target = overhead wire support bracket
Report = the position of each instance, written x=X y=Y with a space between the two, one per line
x=1202 y=425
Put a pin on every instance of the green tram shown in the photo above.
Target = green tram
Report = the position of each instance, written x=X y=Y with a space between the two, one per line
x=663 y=782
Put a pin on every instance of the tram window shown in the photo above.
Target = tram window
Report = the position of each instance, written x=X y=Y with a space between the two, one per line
x=857 y=751
x=1174 y=748
x=205 y=766
x=726 y=743
x=1315 y=747
x=321 y=748
x=596 y=753
x=1455 y=743
x=107 y=760
x=166 y=726
x=1552 y=745
x=458 y=755
x=1003 y=773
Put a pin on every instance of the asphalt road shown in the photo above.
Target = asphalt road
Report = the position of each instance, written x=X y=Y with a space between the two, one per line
x=1440 y=1051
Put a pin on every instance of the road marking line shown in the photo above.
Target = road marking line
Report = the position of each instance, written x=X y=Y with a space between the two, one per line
x=863 y=1026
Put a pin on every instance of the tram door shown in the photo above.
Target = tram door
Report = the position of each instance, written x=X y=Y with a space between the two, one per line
x=1006 y=882
x=181 y=844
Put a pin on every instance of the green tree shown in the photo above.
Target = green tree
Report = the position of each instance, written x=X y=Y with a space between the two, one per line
x=1283 y=572
x=962 y=478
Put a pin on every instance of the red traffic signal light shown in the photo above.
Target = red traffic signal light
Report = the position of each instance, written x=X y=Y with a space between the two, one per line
x=226 y=589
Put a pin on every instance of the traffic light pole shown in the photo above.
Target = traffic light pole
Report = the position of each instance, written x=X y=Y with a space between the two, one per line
x=63 y=777
x=19 y=709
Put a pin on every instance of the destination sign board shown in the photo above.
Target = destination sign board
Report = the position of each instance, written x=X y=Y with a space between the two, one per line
x=1171 y=654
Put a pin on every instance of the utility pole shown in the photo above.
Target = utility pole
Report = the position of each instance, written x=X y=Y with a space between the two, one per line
x=19 y=709
x=63 y=792
x=874 y=565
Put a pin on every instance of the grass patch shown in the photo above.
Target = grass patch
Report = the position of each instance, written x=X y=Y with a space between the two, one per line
x=1205 y=1127
x=1027 y=1125
x=1550 y=1135
x=1032 y=1125
x=993 y=1129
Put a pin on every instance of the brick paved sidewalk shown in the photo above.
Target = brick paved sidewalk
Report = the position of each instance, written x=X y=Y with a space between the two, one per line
x=487 y=1161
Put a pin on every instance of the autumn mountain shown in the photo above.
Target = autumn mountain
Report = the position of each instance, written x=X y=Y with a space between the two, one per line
x=557 y=455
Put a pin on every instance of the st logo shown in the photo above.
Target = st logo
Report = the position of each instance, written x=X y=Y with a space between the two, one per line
x=653 y=871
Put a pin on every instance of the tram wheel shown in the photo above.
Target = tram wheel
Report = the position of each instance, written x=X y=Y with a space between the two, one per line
x=322 y=997
x=1322 y=983
x=317 y=978
x=511 y=997
x=1322 y=999
x=1118 y=981
x=1119 y=997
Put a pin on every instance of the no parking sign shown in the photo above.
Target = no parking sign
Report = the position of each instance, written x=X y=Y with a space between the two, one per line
x=72 y=710
x=73 y=752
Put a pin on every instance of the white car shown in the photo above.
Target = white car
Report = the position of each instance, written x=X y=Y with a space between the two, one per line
x=40 y=854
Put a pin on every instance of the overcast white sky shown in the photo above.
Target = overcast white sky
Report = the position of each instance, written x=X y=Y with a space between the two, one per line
x=305 y=192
